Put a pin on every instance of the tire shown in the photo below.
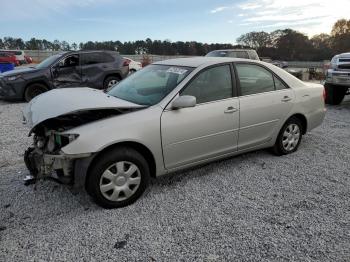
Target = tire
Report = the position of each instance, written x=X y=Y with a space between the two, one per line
x=289 y=137
x=118 y=178
x=132 y=71
x=334 y=94
x=111 y=81
x=34 y=90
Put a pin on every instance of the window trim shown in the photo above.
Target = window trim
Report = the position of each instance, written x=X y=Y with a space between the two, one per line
x=238 y=85
x=233 y=82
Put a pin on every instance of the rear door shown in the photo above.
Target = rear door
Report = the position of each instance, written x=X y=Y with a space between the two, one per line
x=207 y=130
x=67 y=72
x=94 y=68
x=265 y=101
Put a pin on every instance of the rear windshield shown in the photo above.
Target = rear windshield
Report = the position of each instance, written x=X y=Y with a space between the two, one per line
x=224 y=53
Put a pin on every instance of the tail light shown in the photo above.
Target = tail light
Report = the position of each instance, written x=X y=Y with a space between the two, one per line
x=126 y=62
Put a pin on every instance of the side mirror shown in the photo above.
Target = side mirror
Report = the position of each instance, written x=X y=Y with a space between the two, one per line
x=184 y=102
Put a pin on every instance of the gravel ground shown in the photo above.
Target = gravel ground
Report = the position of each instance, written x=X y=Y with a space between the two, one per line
x=255 y=207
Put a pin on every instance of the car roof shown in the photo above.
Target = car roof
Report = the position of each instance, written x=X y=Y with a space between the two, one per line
x=201 y=61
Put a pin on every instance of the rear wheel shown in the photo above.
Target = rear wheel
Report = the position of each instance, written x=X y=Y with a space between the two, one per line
x=289 y=137
x=334 y=94
x=111 y=81
x=34 y=90
x=118 y=178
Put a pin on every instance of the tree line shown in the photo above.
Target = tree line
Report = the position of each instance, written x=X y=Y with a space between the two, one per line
x=285 y=44
x=148 y=46
x=291 y=45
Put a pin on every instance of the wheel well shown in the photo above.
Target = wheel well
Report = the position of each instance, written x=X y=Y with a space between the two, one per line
x=115 y=74
x=35 y=82
x=303 y=121
x=143 y=150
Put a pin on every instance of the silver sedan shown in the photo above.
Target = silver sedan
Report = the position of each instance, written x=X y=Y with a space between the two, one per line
x=168 y=116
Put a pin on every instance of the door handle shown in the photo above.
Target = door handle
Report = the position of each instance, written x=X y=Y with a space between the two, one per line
x=286 y=99
x=231 y=109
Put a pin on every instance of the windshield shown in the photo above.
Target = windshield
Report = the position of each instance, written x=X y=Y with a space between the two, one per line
x=151 y=84
x=48 y=61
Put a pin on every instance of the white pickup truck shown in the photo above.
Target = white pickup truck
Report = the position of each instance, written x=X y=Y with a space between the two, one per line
x=338 y=79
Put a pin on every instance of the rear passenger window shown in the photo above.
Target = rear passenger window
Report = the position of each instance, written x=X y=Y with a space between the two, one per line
x=254 y=79
x=211 y=85
x=95 y=58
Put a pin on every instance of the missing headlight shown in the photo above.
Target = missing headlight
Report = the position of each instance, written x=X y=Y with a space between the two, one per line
x=56 y=141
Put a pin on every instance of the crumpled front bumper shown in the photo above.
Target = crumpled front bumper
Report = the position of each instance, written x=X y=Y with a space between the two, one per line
x=42 y=165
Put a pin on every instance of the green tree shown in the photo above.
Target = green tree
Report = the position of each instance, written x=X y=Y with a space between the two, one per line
x=255 y=40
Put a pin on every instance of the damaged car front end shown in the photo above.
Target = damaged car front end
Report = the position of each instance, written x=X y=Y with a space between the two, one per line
x=45 y=156
x=50 y=129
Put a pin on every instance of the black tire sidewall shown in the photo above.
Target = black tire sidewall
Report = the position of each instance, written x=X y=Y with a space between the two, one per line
x=103 y=162
x=108 y=79
x=28 y=93
x=278 y=148
x=334 y=94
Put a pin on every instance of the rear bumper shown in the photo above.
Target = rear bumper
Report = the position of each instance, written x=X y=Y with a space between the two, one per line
x=316 y=118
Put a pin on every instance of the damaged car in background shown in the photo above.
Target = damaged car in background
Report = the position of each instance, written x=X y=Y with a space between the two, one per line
x=168 y=116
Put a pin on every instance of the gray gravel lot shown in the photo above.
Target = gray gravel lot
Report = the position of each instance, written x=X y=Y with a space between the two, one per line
x=255 y=207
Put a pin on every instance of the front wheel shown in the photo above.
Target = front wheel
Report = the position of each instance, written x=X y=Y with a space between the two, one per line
x=289 y=137
x=118 y=178
x=34 y=90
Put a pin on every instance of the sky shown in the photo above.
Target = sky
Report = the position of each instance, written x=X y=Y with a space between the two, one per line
x=219 y=21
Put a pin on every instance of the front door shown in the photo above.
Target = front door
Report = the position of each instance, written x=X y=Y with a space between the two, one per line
x=207 y=130
x=67 y=72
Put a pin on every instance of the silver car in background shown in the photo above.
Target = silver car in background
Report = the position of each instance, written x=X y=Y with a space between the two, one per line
x=168 y=116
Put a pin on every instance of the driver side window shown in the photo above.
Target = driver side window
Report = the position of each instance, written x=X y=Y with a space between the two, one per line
x=69 y=61
x=211 y=85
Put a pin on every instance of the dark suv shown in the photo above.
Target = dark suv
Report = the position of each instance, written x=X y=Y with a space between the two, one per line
x=95 y=69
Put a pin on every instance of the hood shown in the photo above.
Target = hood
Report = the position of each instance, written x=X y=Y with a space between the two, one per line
x=25 y=70
x=344 y=55
x=59 y=102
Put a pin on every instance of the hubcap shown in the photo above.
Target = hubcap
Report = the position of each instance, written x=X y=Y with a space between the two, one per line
x=112 y=83
x=120 y=181
x=291 y=137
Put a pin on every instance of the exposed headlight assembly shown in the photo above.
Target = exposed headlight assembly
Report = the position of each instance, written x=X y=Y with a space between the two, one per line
x=57 y=141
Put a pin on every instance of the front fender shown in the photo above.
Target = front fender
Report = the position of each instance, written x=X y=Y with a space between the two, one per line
x=142 y=127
